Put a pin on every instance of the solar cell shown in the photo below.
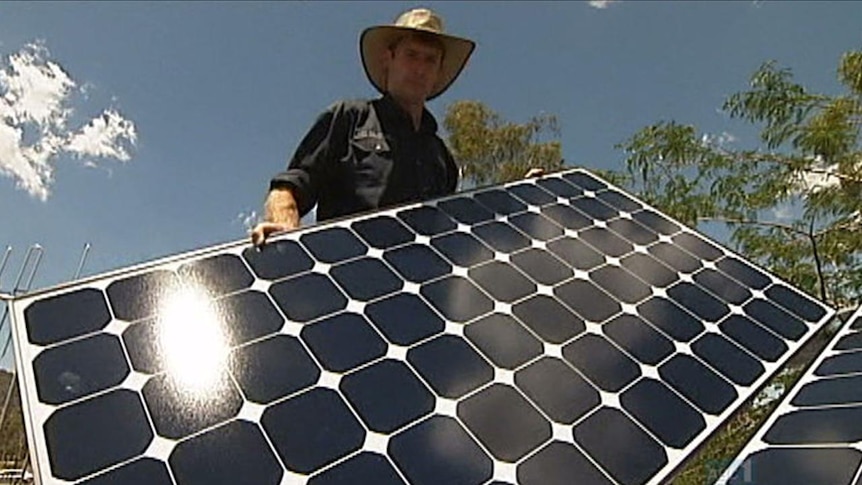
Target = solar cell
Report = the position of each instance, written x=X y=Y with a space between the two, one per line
x=552 y=330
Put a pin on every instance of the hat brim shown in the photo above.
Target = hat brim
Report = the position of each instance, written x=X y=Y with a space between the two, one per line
x=375 y=42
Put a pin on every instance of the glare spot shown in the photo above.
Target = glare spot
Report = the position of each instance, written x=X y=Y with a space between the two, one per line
x=192 y=340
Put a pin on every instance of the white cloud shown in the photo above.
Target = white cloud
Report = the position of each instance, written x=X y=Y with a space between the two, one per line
x=35 y=98
x=818 y=179
x=721 y=141
x=104 y=137
x=248 y=219
x=601 y=4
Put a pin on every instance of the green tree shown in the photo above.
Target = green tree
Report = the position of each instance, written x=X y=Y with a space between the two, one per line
x=491 y=150
x=791 y=204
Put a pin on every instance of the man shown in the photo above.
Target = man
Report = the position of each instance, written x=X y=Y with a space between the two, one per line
x=363 y=155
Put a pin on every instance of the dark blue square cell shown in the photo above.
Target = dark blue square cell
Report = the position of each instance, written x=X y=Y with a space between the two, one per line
x=417 y=263
x=450 y=366
x=557 y=389
x=462 y=249
x=501 y=236
x=500 y=202
x=218 y=275
x=632 y=231
x=795 y=302
x=439 y=450
x=698 y=246
x=698 y=383
x=620 y=446
x=576 y=253
x=366 y=467
x=587 y=300
x=387 y=395
x=383 y=232
x=404 y=318
x=567 y=217
x=780 y=466
x=179 y=410
x=525 y=429
x=620 y=283
x=663 y=412
x=532 y=194
x=343 y=342
x=333 y=244
x=427 y=220
x=273 y=368
x=670 y=319
x=96 y=433
x=366 y=278
x=236 y=452
x=457 y=298
x=313 y=429
x=466 y=210
x=753 y=337
x=743 y=273
x=502 y=281
x=536 y=226
x=722 y=286
x=247 y=316
x=142 y=341
x=639 y=339
x=594 y=208
x=733 y=362
x=542 y=266
x=601 y=362
x=775 y=318
x=649 y=269
x=585 y=181
x=79 y=368
x=618 y=200
x=503 y=340
x=139 y=296
x=307 y=297
x=65 y=316
x=278 y=259
x=556 y=464
x=606 y=242
x=656 y=222
x=558 y=187
x=675 y=257
x=550 y=320
x=143 y=471
x=698 y=301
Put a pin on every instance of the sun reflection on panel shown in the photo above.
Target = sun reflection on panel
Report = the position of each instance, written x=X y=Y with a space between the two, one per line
x=192 y=339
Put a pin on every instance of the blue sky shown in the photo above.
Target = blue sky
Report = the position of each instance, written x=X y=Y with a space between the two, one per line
x=207 y=100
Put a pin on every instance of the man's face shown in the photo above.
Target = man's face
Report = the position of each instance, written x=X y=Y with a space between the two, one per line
x=413 y=69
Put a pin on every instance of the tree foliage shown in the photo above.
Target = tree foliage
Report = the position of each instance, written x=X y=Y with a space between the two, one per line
x=492 y=150
x=793 y=203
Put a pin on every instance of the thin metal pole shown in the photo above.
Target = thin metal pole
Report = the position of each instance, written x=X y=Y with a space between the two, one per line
x=83 y=259
x=5 y=259
x=18 y=288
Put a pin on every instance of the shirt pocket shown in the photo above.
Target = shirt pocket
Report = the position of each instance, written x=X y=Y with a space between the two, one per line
x=371 y=160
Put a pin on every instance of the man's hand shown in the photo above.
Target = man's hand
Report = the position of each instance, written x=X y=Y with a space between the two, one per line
x=280 y=215
x=534 y=172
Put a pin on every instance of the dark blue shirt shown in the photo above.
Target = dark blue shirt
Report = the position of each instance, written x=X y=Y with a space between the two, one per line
x=365 y=155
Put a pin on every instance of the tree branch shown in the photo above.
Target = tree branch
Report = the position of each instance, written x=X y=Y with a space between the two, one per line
x=817 y=264
x=777 y=225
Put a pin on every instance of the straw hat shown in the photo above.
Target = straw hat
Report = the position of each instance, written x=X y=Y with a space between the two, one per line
x=375 y=41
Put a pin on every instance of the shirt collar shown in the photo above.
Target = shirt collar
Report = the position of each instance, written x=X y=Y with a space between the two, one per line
x=394 y=111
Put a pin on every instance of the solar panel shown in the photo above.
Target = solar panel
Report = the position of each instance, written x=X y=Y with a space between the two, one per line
x=544 y=331
x=815 y=434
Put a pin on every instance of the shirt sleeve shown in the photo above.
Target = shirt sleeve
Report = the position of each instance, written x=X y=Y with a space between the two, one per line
x=313 y=159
